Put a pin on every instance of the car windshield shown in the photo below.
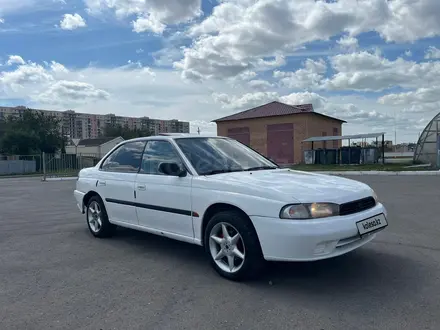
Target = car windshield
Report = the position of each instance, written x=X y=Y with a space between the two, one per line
x=213 y=155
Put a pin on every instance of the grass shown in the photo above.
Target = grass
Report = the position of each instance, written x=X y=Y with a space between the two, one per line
x=366 y=167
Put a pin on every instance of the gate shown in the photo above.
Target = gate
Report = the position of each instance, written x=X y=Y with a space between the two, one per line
x=240 y=134
x=65 y=165
x=280 y=143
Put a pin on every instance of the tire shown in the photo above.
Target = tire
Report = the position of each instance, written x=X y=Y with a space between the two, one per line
x=246 y=266
x=99 y=225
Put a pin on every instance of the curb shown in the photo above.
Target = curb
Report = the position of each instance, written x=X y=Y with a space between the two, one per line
x=66 y=178
x=380 y=172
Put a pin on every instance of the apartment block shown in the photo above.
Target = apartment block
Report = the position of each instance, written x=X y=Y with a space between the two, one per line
x=76 y=125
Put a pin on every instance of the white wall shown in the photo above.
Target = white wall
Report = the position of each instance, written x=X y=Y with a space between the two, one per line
x=99 y=151
x=106 y=147
x=82 y=150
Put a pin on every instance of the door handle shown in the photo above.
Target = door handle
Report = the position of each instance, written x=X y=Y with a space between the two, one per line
x=141 y=187
x=101 y=183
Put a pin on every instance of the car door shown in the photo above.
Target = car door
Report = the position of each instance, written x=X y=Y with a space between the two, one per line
x=116 y=182
x=163 y=202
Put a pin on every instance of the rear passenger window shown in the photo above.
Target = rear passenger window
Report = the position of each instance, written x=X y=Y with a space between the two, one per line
x=127 y=158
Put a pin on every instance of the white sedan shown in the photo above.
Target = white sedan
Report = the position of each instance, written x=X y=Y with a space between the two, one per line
x=220 y=194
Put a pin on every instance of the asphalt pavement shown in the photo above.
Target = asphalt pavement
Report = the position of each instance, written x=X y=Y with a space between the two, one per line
x=55 y=275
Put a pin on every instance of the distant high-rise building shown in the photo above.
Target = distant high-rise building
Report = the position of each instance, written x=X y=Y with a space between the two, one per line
x=76 y=125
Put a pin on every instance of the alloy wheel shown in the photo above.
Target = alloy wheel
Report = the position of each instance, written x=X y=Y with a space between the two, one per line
x=94 y=216
x=227 y=247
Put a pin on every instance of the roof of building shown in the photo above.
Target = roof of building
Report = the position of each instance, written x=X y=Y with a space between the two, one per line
x=272 y=109
x=95 y=142
x=343 y=137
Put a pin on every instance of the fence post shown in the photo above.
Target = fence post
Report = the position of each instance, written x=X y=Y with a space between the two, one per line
x=44 y=165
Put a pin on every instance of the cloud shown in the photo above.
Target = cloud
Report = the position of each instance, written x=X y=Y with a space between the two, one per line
x=308 y=77
x=365 y=71
x=259 y=84
x=72 y=22
x=248 y=100
x=69 y=93
x=166 y=56
x=2 y=20
x=29 y=74
x=15 y=59
x=239 y=32
x=421 y=100
x=131 y=89
x=137 y=90
x=319 y=102
x=348 y=43
x=152 y=15
x=426 y=95
x=148 y=23
x=58 y=68
x=432 y=53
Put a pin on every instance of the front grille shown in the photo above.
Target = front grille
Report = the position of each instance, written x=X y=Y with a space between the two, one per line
x=357 y=206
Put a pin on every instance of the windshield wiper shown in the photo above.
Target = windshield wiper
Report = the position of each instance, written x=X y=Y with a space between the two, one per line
x=219 y=171
x=256 y=168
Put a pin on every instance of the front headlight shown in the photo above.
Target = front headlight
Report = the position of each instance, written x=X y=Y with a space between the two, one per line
x=309 y=211
x=375 y=196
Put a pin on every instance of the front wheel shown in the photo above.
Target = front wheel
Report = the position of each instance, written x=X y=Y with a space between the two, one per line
x=233 y=246
x=97 y=219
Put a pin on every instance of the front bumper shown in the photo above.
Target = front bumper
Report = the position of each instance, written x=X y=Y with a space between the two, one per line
x=79 y=196
x=309 y=240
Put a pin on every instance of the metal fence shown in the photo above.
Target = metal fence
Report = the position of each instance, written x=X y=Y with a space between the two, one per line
x=46 y=165
x=55 y=165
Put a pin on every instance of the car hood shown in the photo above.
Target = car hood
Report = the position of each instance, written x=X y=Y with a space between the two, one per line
x=305 y=187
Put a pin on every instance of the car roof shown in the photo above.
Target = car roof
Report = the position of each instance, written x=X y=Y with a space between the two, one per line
x=173 y=136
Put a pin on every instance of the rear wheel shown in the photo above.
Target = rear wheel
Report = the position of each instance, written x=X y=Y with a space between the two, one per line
x=97 y=219
x=233 y=246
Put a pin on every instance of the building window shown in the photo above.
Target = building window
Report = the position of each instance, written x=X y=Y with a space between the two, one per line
x=324 y=143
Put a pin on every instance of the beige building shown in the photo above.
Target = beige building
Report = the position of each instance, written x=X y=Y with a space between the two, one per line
x=277 y=130
x=77 y=125
x=94 y=147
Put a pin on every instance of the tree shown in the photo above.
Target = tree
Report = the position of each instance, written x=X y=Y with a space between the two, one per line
x=18 y=142
x=31 y=133
x=125 y=132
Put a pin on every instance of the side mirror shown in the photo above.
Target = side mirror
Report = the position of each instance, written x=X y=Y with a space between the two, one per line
x=173 y=169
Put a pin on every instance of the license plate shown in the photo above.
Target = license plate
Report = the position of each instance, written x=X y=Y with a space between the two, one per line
x=372 y=224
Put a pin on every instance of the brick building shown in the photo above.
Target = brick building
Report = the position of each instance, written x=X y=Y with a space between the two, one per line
x=277 y=130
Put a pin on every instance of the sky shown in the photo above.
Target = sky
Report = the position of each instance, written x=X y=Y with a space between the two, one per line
x=373 y=63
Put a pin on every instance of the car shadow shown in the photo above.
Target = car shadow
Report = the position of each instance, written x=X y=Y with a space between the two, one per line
x=161 y=246
x=351 y=276
x=365 y=276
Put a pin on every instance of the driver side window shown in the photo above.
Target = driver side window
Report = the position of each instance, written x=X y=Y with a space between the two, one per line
x=157 y=152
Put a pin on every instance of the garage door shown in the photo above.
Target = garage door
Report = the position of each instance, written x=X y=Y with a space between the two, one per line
x=280 y=143
x=241 y=134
